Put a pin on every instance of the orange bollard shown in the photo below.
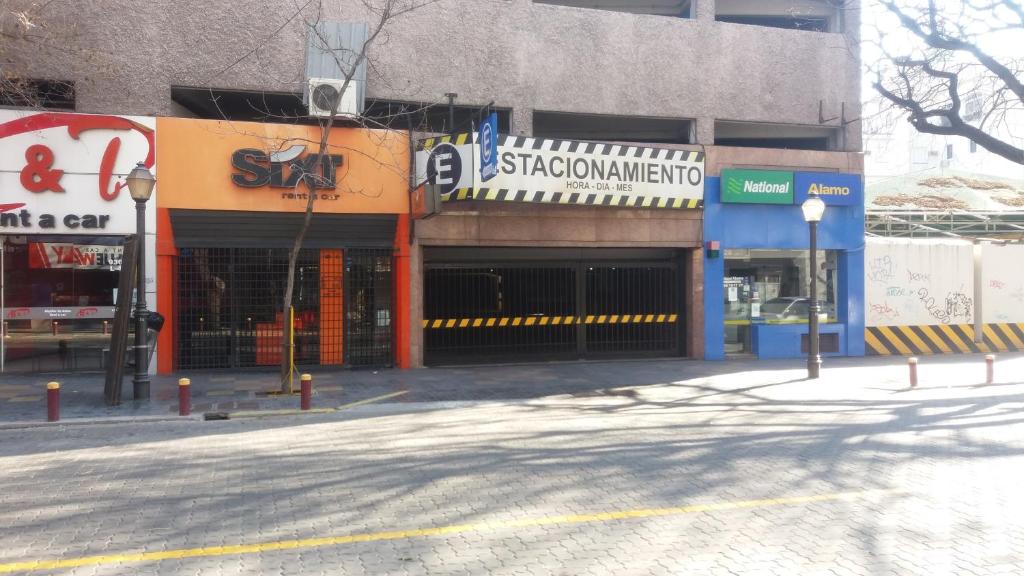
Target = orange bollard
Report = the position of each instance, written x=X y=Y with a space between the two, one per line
x=912 y=362
x=53 y=402
x=184 y=397
x=990 y=369
x=306 y=391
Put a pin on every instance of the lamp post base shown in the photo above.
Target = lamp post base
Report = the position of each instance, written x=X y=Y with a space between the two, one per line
x=813 y=368
x=140 y=388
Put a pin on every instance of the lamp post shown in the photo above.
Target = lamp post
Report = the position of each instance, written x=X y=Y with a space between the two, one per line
x=813 y=209
x=140 y=186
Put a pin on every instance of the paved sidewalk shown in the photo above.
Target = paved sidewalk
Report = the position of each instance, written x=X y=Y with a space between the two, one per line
x=22 y=397
x=660 y=468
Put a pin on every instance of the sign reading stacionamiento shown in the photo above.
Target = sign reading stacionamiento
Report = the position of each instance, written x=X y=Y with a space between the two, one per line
x=566 y=172
x=757 y=187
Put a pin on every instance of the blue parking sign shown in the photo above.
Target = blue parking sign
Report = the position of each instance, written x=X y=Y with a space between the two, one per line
x=487 y=138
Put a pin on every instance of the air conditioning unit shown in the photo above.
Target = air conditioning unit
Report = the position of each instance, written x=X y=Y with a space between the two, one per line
x=324 y=92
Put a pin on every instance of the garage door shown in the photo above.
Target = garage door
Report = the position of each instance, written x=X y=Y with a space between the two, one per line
x=496 y=305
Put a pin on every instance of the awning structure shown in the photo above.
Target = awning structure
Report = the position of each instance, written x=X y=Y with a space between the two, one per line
x=946 y=203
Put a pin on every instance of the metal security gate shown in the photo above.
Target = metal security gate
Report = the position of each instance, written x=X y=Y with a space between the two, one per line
x=230 y=314
x=542 y=308
x=368 y=307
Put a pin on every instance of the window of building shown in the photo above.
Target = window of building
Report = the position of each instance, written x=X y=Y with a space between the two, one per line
x=676 y=8
x=287 y=107
x=949 y=151
x=784 y=136
x=46 y=94
x=810 y=15
x=434 y=118
x=771 y=287
x=599 y=127
x=59 y=295
x=972 y=107
x=974 y=146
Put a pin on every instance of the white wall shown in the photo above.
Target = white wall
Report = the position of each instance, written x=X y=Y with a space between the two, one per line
x=1002 y=283
x=918 y=282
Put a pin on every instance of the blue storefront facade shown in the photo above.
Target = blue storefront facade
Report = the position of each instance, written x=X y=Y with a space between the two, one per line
x=756 y=263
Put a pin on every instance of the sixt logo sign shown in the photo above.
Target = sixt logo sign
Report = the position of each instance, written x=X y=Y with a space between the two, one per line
x=284 y=169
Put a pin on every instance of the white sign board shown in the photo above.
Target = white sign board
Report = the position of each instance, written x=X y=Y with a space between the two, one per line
x=1002 y=283
x=566 y=172
x=918 y=282
x=64 y=173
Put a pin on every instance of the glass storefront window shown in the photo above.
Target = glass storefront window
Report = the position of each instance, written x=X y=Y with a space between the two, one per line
x=771 y=287
x=59 y=294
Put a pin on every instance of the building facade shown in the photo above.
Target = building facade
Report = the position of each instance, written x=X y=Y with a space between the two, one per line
x=773 y=83
x=64 y=215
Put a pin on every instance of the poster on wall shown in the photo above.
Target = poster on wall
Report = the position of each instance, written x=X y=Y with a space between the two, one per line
x=65 y=173
x=565 y=172
x=48 y=255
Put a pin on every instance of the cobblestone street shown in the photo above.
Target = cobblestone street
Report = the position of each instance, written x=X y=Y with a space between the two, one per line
x=751 y=472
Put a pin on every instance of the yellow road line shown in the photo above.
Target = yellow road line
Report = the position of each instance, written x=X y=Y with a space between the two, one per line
x=260 y=547
x=371 y=400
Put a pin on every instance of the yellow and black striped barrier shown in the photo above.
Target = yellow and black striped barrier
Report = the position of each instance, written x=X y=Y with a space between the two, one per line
x=520 y=321
x=942 y=339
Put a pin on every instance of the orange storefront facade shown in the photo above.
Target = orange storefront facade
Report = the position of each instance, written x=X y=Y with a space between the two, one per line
x=232 y=198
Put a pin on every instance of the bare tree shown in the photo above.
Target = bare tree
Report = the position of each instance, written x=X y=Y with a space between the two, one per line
x=956 y=68
x=43 y=30
x=348 y=59
x=19 y=23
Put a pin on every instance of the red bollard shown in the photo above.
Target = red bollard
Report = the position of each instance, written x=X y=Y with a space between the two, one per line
x=53 y=402
x=106 y=327
x=306 y=391
x=184 y=397
x=912 y=362
x=990 y=371
x=55 y=327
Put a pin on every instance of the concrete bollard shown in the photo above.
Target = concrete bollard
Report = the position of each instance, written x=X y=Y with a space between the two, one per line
x=184 y=397
x=912 y=362
x=52 y=401
x=306 y=391
x=990 y=369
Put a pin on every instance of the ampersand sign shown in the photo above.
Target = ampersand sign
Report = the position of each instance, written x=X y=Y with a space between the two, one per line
x=37 y=176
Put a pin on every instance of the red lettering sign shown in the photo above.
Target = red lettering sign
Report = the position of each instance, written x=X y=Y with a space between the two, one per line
x=38 y=174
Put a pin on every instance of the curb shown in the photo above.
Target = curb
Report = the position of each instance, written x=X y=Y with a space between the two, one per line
x=243 y=414
x=15 y=425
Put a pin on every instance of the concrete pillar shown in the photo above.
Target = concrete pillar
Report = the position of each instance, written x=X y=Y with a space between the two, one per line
x=416 y=304
x=522 y=121
x=704 y=9
x=704 y=131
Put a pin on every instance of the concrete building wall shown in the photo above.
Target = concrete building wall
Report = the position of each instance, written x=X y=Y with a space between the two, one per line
x=124 y=56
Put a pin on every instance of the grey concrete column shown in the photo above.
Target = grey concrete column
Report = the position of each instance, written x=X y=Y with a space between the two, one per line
x=416 y=304
x=522 y=121
x=704 y=131
x=704 y=9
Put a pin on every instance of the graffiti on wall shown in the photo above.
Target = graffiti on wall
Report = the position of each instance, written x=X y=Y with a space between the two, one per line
x=1002 y=284
x=919 y=283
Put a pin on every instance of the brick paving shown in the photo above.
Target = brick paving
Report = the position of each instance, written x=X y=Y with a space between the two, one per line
x=629 y=436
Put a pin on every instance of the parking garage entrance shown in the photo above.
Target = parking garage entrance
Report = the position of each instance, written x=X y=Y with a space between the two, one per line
x=501 y=304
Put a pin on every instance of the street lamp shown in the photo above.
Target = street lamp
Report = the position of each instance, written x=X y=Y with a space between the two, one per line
x=140 y=186
x=813 y=209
